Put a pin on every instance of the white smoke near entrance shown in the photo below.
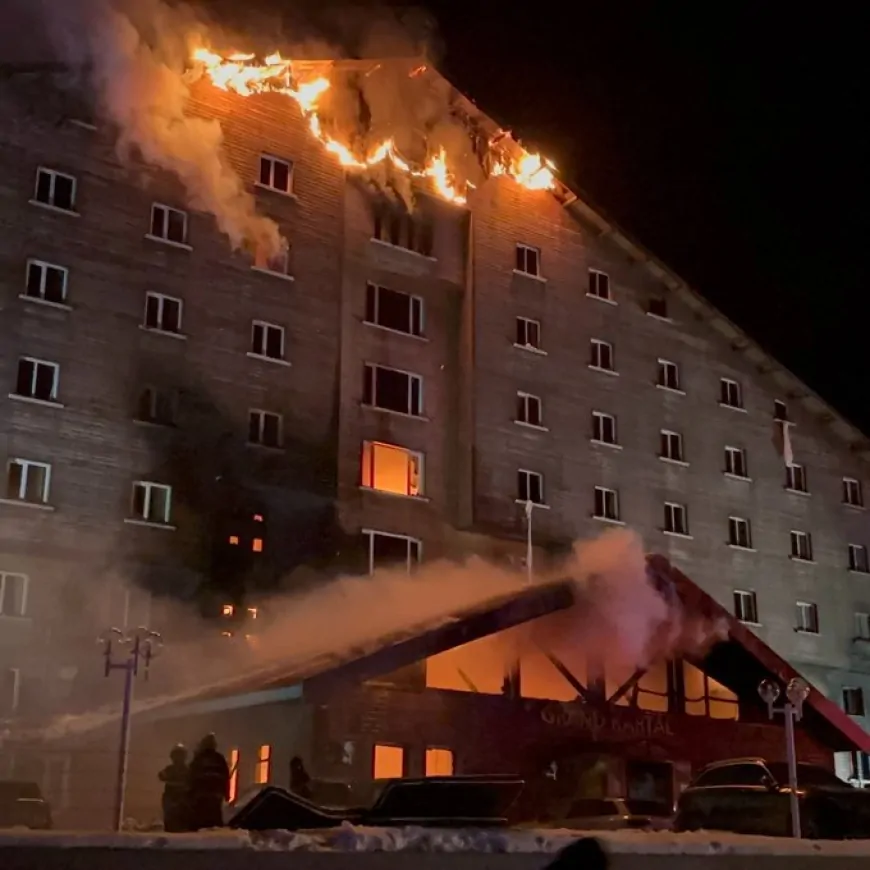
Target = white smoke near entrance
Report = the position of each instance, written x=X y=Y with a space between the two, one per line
x=133 y=55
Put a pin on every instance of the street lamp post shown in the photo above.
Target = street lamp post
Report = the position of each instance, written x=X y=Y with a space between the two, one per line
x=796 y=693
x=138 y=648
x=529 y=548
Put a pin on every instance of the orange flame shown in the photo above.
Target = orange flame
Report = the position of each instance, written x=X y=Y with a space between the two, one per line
x=241 y=74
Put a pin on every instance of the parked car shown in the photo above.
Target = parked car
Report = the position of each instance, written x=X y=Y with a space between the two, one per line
x=23 y=806
x=752 y=796
x=607 y=814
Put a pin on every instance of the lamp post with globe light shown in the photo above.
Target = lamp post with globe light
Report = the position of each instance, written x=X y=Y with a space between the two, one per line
x=138 y=647
x=796 y=692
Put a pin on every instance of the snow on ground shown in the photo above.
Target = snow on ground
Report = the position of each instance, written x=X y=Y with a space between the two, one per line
x=348 y=838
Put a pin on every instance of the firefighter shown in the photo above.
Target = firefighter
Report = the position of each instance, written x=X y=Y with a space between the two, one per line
x=208 y=785
x=175 y=796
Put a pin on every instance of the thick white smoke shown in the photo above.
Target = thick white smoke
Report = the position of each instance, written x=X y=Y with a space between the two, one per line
x=132 y=54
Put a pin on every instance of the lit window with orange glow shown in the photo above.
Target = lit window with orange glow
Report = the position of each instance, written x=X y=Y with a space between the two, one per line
x=388 y=468
x=264 y=764
x=228 y=610
x=258 y=518
x=234 y=774
x=234 y=540
x=257 y=545
x=253 y=612
x=439 y=762
x=388 y=762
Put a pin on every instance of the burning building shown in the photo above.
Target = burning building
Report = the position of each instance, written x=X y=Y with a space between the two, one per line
x=266 y=342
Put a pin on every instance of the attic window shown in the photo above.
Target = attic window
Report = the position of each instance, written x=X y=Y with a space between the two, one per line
x=657 y=306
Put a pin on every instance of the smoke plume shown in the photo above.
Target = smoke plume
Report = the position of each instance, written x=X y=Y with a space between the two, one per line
x=133 y=56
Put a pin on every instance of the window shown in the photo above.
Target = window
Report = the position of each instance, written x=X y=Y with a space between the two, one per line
x=657 y=306
x=739 y=533
x=730 y=393
x=263 y=770
x=233 y=764
x=735 y=462
x=858 y=559
x=528 y=260
x=746 y=606
x=46 y=281
x=28 y=481
x=439 y=762
x=162 y=313
x=853 y=492
x=528 y=333
x=37 y=379
x=13 y=594
x=391 y=309
x=606 y=504
x=265 y=428
x=267 y=340
x=668 y=377
x=676 y=519
x=386 y=550
x=388 y=468
x=807 y=617
x=853 y=701
x=801 y=546
x=796 y=478
x=152 y=502
x=599 y=284
x=601 y=355
x=671 y=445
x=862 y=626
x=392 y=390
x=403 y=230
x=780 y=411
x=55 y=189
x=10 y=692
x=603 y=428
x=276 y=174
x=274 y=264
x=529 y=410
x=530 y=487
x=168 y=224
x=388 y=762
x=157 y=406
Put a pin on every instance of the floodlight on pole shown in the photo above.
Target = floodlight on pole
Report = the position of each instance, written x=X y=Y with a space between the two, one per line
x=796 y=693
x=139 y=646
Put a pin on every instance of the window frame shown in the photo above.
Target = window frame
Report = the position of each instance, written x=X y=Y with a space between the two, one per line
x=608 y=496
x=726 y=387
x=853 y=485
x=26 y=465
x=162 y=298
x=54 y=174
x=862 y=625
x=44 y=266
x=370 y=534
x=746 y=595
x=526 y=403
x=528 y=476
x=262 y=414
x=412 y=377
x=272 y=160
x=148 y=486
x=167 y=211
x=600 y=421
x=416 y=311
x=859 y=558
x=265 y=326
x=674 y=511
x=736 y=523
x=859 y=694
x=808 y=625
x=796 y=479
x=796 y=536
x=527 y=323
x=730 y=451
x=55 y=380
x=418 y=456
x=669 y=437
x=521 y=261
x=663 y=381
x=595 y=346
x=25 y=588
x=593 y=283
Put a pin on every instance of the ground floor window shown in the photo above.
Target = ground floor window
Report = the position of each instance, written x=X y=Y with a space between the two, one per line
x=263 y=770
x=439 y=761
x=388 y=761
x=234 y=774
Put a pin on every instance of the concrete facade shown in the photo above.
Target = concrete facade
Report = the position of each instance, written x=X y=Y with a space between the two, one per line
x=78 y=547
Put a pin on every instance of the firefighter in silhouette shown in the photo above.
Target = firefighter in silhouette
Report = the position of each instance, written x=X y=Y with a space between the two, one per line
x=208 y=785
x=175 y=796
x=587 y=853
x=300 y=781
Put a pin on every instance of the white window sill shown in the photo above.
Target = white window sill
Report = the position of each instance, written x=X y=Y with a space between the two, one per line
x=15 y=617
x=32 y=400
x=612 y=372
x=539 y=278
x=266 y=448
x=38 y=300
x=750 y=623
x=272 y=273
x=395 y=331
x=854 y=507
x=731 y=476
x=531 y=349
x=684 y=535
x=56 y=209
x=807 y=632
x=178 y=336
x=183 y=246
x=612 y=445
x=536 y=505
x=681 y=462
x=404 y=414
x=534 y=426
x=675 y=390
x=153 y=424
x=401 y=495
x=269 y=359
x=742 y=549
x=610 y=520
x=413 y=253
x=32 y=505
x=860 y=574
x=84 y=125
x=805 y=493
x=802 y=560
x=287 y=194
x=662 y=318
x=605 y=299
x=733 y=407
x=167 y=527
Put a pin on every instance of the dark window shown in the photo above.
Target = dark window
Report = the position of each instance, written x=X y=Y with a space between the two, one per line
x=530 y=487
x=858 y=560
x=780 y=411
x=796 y=478
x=730 y=393
x=735 y=461
x=267 y=340
x=657 y=307
x=528 y=333
x=264 y=429
x=746 y=606
x=37 y=379
x=801 y=546
x=275 y=174
x=601 y=355
x=528 y=260
x=599 y=284
x=55 y=189
x=169 y=224
x=739 y=534
x=394 y=310
x=807 y=617
x=676 y=519
x=606 y=504
x=603 y=428
x=671 y=445
x=392 y=390
x=162 y=313
x=853 y=492
x=404 y=230
x=386 y=551
x=529 y=410
x=157 y=406
x=45 y=281
x=668 y=375
x=853 y=701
